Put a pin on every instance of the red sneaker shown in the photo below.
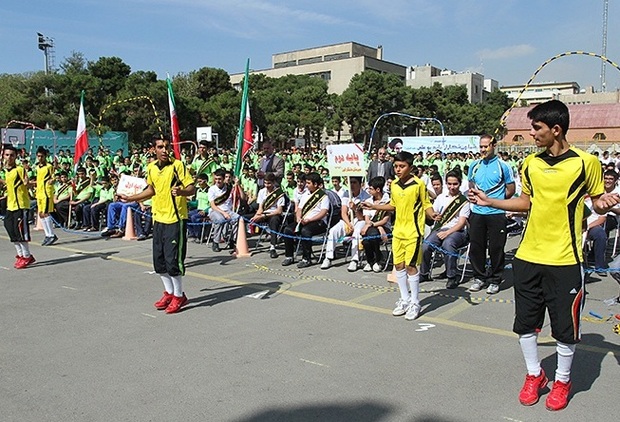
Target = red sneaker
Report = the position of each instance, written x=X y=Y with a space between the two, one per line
x=165 y=300
x=176 y=303
x=530 y=393
x=24 y=262
x=558 y=397
x=18 y=260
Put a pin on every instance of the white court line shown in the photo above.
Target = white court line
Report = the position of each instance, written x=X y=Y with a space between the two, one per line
x=149 y=315
x=314 y=363
x=67 y=287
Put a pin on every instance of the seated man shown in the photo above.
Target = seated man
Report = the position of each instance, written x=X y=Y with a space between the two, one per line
x=82 y=195
x=116 y=218
x=198 y=216
x=143 y=221
x=376 y=227
x=90 y=220
x=310 y=219
x=62 y=196
x=596 y=234
x=448 y=232
x=271 y=201
x=350 y=224
x=222 y=214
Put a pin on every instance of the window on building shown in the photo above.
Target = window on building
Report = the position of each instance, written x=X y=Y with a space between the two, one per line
x=310 y=60
x=337 y=56
x=326 y=76
x=517 y=138
x=285 y=64
x=599 y=136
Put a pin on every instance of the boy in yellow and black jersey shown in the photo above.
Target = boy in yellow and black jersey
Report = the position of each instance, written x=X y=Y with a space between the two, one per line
x=409 y=198
x=18 y=206
x=548 y=266
x=45 y=195
x=169 y=183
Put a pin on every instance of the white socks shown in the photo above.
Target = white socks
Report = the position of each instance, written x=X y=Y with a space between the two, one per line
x=414 y=284
x=48 y=226
x=401 y=279
x=18 y=248
x=167 y=280
x=25 y=249
x=565 y=354
x=529 y=348
x=177 y=282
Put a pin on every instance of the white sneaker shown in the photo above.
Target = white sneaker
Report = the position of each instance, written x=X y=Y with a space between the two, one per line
x=376 y=267
x=477 y=285
x=352 y=266
x=401 y=308
x=326 y=264
x=413 y=311
x=367 y=268
x=493 y=288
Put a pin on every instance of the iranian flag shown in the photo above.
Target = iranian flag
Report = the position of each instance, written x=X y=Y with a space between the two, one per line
x=244 y=139
x=81 y=138
x=248 y=140
x=174 y=121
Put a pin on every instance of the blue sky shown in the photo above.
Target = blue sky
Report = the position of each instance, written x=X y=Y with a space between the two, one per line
x=504 y=39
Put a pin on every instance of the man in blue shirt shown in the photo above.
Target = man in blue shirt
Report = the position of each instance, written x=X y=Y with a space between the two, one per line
x=487 y=225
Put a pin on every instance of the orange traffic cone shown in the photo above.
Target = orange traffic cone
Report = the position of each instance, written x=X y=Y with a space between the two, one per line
x=39 y=225
x=242 y=250
x=130 y=232
x=391 y=277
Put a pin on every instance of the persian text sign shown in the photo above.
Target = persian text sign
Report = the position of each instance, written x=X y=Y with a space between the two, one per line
x=414 y=144
x=130 y=185
x=346 y=160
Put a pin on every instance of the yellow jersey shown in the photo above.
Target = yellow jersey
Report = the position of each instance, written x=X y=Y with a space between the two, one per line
x=411 y=201
x=166 y=208
x=557 y=187
x=16 y=189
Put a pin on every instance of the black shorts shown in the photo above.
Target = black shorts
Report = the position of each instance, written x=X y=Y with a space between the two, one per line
x=16 y=225
x=169 y=247
x=558 y=289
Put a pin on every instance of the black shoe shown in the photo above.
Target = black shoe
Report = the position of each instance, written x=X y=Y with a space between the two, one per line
x=215 y=247
x=141 y=237
x=107 y=232
x=304 y=263
x=273 y=253
x=425 y=277
x=51 y=240
x=46 y=239
x=442 y=276
x=452 y=283
x=288 y=261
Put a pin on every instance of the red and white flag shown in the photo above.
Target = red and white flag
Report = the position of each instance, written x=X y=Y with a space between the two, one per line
x=248 y=140
x=174 y=122
x=81 y=138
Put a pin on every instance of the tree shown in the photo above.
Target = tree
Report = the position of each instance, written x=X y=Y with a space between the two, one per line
x=368 y=96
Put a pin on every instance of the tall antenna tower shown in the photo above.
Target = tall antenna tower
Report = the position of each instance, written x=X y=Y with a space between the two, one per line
x=604 y=49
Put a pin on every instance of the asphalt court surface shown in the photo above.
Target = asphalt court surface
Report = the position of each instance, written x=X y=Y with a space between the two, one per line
x=261 y=342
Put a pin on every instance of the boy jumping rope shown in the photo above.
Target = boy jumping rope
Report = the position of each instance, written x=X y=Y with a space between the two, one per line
x=409 y=198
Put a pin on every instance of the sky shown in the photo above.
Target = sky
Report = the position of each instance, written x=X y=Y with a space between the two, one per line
x=506 y=40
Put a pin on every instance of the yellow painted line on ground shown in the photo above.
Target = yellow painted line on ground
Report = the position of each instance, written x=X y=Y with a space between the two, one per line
x=455 y=310
x=301 y=282
x=244 y=272
x=365 y=297
x=348 y=304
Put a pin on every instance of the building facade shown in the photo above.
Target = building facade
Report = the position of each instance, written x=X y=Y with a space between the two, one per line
x=336 y=64
x=539 y=93
x=589 y=123
x=426 y=76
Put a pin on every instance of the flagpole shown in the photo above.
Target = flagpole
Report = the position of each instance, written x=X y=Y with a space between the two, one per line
x=244 y=102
